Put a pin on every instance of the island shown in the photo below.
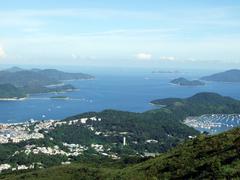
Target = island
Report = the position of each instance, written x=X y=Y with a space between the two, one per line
x=185 y=82
x=60 y=97
x=40 y=77
x=165 y=72
x=9 y=92
x=232 y=75
x=18 y=83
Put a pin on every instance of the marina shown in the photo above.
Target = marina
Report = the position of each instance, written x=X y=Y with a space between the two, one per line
x=214 y=123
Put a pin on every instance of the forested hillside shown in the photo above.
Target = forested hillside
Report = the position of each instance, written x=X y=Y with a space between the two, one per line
x=205 y=157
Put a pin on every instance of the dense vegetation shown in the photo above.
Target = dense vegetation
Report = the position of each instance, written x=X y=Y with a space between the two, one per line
x=227 y=76
x=136 y=127
x=185 y=82
x=202 y=158
x=199 y=104
x=205 y=157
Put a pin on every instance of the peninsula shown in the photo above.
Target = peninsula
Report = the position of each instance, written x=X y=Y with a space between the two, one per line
x=232 y=75
x=16 y=83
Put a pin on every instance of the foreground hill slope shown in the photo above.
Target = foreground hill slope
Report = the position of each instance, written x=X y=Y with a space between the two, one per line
x=205 y=157
x=212 y=157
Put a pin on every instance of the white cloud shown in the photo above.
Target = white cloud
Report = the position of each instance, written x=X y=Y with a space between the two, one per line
x=2 y=53
x=167 y=58
x=144 y=56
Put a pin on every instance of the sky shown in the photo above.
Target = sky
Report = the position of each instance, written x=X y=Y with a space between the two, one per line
x=136 y=33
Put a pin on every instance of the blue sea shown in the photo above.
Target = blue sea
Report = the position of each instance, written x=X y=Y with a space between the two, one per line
x=119 y=89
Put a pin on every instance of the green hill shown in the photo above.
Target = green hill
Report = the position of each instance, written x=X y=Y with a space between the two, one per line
x=205 y=157
x=199 y=104
x=138 y=128
x=213 y=157
x=10 y=91
x=232 y=75
x=20 y=77
x=38 y=80
x=185 y=82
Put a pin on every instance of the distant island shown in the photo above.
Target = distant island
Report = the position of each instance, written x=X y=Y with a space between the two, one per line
x=185 y=82
x=38 y=77
x=60 y=97
x=201 y=103
x=16 y=83
x=232 y=75
x=165 y=72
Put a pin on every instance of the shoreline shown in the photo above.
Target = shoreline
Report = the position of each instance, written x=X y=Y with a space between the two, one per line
x=28 y=122
x=157 y=105
x=50 y=92
x=29 y=95
x=174 y=84
x=55 y=85
x=13 y=99
x=84 y=79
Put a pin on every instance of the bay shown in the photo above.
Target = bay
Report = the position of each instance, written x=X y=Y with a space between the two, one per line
x=126 y=90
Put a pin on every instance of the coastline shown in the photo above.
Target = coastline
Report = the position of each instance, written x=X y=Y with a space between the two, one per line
x=157 y=105
x=28 y=122
x=186 y=85
x=50 y=92
x=13 y=99
x=60 y=98
x=55 y=85
x=82 y=79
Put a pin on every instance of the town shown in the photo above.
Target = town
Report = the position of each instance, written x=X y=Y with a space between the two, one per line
x=19 y=132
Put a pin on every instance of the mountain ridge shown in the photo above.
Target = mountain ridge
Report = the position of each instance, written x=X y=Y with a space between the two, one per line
x=37 y=81
x=232 y=75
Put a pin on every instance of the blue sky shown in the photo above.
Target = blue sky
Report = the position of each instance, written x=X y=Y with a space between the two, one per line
x=136 y=33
